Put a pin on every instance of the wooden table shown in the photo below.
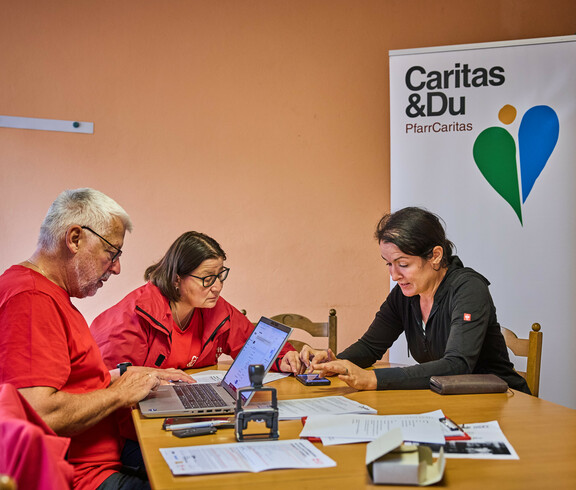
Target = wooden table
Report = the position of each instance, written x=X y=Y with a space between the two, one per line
x=542 y=433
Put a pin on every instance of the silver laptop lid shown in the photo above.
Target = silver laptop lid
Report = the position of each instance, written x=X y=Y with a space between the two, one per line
x=262 y=347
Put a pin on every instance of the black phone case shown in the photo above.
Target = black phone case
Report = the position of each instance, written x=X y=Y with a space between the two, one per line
x=323 y=382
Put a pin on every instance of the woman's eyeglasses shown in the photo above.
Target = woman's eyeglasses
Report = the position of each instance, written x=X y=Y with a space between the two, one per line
x=207 y=281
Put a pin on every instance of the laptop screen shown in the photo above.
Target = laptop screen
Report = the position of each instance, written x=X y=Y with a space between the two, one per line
x=262 y=347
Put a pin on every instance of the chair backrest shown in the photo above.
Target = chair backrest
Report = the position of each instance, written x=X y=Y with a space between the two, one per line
x=7 y=483
x=327 y=329
x=316 y=329
x=531 y=348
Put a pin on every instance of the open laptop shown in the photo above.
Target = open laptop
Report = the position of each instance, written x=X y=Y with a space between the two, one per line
x=262 y=347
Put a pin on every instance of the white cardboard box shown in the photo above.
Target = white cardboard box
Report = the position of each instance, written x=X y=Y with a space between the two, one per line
x=389 y=461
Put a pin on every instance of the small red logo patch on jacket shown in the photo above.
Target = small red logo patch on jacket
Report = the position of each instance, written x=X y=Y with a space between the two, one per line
x=467 y=317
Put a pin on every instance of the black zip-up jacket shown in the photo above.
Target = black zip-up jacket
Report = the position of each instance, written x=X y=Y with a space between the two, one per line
x=462 y=334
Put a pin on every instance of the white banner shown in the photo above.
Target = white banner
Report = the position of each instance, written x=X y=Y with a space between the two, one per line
x=485 y=136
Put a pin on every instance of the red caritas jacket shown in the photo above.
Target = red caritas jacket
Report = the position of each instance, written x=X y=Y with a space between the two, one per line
x=139 y=330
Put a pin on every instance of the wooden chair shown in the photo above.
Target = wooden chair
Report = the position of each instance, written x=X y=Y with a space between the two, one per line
x=327 y=329
x=531 y=348
x=7 y=483
x=316 y=329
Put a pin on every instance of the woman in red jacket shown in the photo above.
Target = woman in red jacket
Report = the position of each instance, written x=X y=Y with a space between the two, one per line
x=178 y=318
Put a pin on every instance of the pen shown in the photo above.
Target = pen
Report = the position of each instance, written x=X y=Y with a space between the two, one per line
x=207 y=423
x=450 y=424
x=459 y=434
x=195 y=431
x=174 y=425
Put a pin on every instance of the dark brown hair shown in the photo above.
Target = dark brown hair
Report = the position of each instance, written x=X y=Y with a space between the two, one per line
x=415 y=231
x=184 y=255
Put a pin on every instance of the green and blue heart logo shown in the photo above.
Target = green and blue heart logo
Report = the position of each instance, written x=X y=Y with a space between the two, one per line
x=495 y=153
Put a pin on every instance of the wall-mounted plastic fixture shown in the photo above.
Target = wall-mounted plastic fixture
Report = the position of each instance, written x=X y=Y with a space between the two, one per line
x=46 y=124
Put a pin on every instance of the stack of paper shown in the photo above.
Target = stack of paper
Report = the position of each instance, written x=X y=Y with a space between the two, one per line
x=305 y=407
x=248 y=456
x=349 y=428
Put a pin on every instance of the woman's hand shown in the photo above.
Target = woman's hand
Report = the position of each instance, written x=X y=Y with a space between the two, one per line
x=310 y=356
x=348 y=372
x=291 y=363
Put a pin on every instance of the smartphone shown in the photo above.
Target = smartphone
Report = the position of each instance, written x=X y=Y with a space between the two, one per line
x=194 y=431
x=176 y=423
x=312 y=379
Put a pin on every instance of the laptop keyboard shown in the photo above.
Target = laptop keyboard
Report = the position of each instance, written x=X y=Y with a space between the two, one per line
x=199 y=396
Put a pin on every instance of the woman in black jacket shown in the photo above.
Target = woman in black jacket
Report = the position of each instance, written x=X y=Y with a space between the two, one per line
x=444 y=309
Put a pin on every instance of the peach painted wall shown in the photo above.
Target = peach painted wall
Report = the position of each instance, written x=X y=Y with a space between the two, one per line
x=263 y=123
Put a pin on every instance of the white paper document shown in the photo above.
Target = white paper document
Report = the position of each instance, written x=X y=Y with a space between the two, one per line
x=487 y=441
x=246 y=456
x=216 y=375
x=305 y=407
x=347 y=429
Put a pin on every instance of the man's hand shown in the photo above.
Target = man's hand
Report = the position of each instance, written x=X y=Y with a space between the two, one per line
x=69 y=413
x=164 y=375
x=133 y=386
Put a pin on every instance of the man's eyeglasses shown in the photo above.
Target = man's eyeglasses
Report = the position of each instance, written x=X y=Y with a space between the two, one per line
x=116 y=256
x=207 y=281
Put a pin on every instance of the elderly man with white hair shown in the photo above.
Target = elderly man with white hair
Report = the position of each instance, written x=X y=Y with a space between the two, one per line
x=46 y=349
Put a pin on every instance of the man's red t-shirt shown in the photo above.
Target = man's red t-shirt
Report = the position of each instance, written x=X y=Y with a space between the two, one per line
x=45 y=341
